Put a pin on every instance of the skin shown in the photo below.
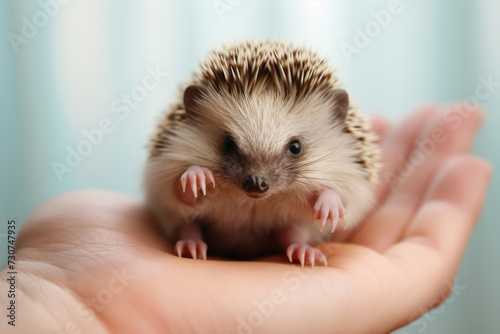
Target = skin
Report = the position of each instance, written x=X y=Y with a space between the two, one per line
x=400 y=262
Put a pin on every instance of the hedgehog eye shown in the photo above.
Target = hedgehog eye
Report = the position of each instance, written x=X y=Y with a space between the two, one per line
x=294 y=148
x=230 y=146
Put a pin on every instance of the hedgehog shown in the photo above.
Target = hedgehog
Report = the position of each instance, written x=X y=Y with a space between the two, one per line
x=260 y=152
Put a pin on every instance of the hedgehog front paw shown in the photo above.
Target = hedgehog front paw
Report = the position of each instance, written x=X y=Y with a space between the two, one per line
x=329 y=206
x=197 y=178
x=305 y=254
x=195 y=248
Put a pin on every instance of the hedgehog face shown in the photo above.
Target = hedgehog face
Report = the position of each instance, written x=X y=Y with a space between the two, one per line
x=257 y=171
x=265 y=141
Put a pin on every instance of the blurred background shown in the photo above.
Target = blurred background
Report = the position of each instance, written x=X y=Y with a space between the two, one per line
x=82 y=83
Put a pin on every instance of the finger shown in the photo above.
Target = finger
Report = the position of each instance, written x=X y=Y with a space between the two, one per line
x=380 y=127
x=434 y=243
x=384 y=227
x=458 y=191
x=396 y=142
x=399 y=143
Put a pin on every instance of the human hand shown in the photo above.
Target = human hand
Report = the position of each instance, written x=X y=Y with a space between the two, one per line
x=95 y=262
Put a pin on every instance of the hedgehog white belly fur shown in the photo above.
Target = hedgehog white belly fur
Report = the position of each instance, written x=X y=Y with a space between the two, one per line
x=268 y=120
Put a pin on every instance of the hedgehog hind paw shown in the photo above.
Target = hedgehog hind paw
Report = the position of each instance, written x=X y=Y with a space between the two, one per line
x=305 y=254
x=194 y=249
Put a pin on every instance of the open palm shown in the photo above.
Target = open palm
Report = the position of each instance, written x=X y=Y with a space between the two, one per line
x=95 y=262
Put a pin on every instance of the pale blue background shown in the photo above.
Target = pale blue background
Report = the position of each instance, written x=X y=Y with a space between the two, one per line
x=65 y=78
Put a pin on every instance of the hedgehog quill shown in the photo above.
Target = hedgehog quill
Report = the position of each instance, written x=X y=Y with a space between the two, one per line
x=266 y=139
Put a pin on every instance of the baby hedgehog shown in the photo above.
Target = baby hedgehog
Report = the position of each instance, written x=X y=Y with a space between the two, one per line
x=262 y=140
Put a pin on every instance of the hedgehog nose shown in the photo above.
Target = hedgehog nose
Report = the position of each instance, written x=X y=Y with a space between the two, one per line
x=255 y=184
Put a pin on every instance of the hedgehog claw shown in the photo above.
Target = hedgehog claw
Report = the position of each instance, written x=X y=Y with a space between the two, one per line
x=194 y=188
x=183 y=182
x=322 y=222
x=302 y=255
x=290 y=251
x=195 y=248
x=303 y=252
x=342 y=218
x=329 y=206
x=198 y=178
x=211 y=178
x=203 y=187
x=324 y=260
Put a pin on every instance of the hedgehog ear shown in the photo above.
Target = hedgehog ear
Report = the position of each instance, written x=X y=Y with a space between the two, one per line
x=340 y=102
x=192 y=96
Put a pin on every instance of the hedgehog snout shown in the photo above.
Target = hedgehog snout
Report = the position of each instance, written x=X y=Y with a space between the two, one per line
x=255 y=185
